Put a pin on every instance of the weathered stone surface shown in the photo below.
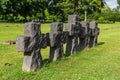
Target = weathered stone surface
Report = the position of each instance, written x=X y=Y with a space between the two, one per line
x=23 y=44
x=94 y=28
x=93 y=34
x=56 y=52
x=82 y=44
x=55 y=33
x=30 y=44
x=71 y=45
x=43 y=41
x=55 y=39
x=93 y=25
x=56 y=45
x=92 y=41
x=70 y=28
x=77 y=28
x=83 y=35
x=73 y=18
x=32 y=29
x=73 y=28
x=56 y=27
x=32 y=61
x=64 y=36
x=84 y=29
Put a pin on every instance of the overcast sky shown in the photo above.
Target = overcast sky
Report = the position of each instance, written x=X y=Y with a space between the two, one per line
x=112 y=3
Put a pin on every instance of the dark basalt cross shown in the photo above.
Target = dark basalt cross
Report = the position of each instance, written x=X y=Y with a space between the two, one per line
x=56 y=44
x=30 y=44
x=77 y=36
x=94 y=32
x=72 y=27
x=83 y=35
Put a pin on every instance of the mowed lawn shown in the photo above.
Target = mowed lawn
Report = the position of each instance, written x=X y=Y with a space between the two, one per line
x=101 y=62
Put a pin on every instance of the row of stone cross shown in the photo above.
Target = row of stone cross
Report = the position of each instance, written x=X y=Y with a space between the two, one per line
x=76 y=35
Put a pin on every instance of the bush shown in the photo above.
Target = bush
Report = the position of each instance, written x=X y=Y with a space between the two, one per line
x=101 y=19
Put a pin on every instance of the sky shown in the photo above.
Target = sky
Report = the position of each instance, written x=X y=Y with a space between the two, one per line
x=112 y=3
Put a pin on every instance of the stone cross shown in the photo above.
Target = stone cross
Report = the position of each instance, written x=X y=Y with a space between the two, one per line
x=72 y=27
x=30 y=44
x=94 y=33
x=56 y=45
x=83 y=35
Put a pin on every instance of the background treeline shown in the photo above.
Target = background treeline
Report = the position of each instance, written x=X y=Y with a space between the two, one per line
x=57 y=10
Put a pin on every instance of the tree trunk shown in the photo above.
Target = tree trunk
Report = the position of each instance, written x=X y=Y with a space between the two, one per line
x=85 y=15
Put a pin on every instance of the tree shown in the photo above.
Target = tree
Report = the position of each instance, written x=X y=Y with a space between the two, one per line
x=58 y=10
x=118 y=1
x=91 y=6
x=118 y=7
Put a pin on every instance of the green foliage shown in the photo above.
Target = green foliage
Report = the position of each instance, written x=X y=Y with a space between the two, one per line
x=54 y=10
x=118 y=2
x=57 y=10
x=111 y=16
x=23 y=8
x=101 y=18
x=106 y=16
x=101 y=62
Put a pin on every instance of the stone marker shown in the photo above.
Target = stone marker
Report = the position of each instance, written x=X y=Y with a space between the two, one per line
x=56 y=45
x=73 y=18
x=83 y=35
x=72 y=28
x=30 y=44
x=77 y=36
x=93 y=34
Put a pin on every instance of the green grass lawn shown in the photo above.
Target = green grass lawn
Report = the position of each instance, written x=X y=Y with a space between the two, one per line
x=101 y=62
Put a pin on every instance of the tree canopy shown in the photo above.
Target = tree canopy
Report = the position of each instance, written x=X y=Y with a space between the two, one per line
x=49 y=10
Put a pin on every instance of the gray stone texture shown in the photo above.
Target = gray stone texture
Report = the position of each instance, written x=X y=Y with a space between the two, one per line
x=71 y=45
x=56 y=53
x=44 y=40
x=84 y=29
x=93 y=34
x=32 y=61
x=73 y=18
x=83 y=35
x=30 y=44
x=64 y=36
x=56 y=45
x=77 y=36
x=23 y=44
x=72 y=27
x=32 y=29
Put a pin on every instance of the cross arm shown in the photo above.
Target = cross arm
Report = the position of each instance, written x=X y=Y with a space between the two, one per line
x=23 y=44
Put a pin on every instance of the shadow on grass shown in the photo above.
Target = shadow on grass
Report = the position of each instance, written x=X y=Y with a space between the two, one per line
x=46 y=61
x=8 y=64
x=100 y=43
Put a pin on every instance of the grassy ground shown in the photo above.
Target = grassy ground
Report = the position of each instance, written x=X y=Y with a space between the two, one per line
x=101 y=62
